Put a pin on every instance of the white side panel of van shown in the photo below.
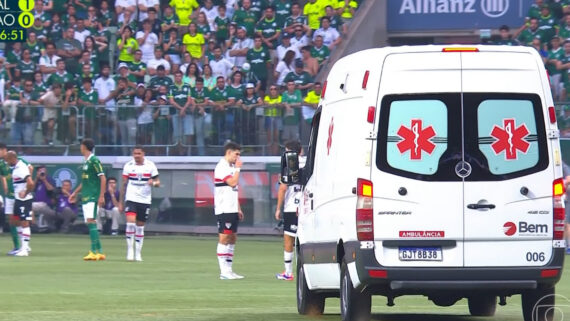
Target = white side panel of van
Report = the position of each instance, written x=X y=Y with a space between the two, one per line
x=347 y=149
x=428 y=211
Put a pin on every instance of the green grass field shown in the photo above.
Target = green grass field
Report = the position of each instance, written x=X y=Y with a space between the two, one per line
x=178 y=280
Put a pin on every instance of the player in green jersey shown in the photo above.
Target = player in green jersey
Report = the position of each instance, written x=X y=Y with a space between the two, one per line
x=92 y=188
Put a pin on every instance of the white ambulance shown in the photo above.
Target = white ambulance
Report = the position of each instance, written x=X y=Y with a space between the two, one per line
x=435 y=171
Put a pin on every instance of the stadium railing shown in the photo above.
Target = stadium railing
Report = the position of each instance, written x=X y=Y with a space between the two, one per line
x=161 y=128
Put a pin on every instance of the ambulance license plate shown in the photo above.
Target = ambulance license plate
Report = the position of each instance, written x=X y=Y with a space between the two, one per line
x=421 y=254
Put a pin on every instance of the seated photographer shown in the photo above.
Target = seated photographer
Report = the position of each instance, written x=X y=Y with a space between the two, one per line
x=43 y=199
x=66 y=212
x=111 y=208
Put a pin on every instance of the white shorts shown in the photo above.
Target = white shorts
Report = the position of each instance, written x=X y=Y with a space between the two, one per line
x=89 y=210
x=9 y=206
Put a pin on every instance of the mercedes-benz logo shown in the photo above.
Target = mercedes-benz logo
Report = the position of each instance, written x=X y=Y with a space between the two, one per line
x=463 y=169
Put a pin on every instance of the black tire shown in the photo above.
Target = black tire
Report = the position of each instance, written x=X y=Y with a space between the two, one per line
x=354 y=305
x=308 y=302
x=537 y=305
x=482 y=305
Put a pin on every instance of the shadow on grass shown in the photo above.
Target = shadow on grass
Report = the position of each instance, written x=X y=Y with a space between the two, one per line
x=336 y=317
x=422 y=317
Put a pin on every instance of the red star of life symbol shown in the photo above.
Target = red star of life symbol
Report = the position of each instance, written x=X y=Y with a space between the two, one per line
x=510 y=139
x=416 y=139
x=329 y=141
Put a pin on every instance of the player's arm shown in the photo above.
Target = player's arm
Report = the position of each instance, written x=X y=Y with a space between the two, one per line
x=4 y=184
x=29 y=187
x=102 y=186
x=122 y=192
x=154 y=181
x=280 y=198
x=234 y=179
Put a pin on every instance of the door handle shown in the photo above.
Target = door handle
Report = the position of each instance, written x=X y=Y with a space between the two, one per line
x=481 y=206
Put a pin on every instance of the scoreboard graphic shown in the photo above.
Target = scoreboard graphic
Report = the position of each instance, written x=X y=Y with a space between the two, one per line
x=15 y=17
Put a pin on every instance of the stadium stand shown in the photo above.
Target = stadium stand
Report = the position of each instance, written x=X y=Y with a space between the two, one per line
x=95 y=68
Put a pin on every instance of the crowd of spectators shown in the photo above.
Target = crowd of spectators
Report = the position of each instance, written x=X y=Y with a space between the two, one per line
x=159 y=72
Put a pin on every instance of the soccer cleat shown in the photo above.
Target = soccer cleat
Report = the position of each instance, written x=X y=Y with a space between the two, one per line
x=13 y=252
x=22 y=252
x=29 y=249
x=227 y=276
x=284 y=276
x=100 y=257
x=237 y=276
x=90 y=257
x=130 y=256
x=138 y=258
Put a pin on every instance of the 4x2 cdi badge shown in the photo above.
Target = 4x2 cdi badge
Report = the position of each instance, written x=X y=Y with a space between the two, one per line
x=510 y=228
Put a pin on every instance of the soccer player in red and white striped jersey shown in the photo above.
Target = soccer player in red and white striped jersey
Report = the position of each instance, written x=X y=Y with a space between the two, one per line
x=139 y=176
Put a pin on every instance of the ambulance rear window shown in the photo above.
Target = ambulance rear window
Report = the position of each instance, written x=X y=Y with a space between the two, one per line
x=425 y=136
x=417 y=135
x=414 y=139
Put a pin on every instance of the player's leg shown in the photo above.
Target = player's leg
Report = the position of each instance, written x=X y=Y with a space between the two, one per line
x=131 y=215
x=14 y=225
x=143 y=210
x=101 y=214
x=234 y=219
x=24 y=212
x=289 y=234
x=224 y=232
x=115 y=221
x=90 y=215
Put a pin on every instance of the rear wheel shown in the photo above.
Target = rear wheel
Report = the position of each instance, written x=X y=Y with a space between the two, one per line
x=538 y=305
x=308 y=302
x=482 y=305
x=354 y=305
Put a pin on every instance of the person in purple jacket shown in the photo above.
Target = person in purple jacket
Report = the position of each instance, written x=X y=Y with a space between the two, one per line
x=66 y=212
x=43 y=204
x=111 y=208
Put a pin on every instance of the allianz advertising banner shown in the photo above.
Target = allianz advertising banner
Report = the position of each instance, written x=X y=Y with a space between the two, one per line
x=421 y=15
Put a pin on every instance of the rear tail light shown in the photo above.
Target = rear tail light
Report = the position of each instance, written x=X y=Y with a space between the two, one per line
x=365 y=79
x=371 y=114
x=381 y=274
x=559 y=216
x=550 y=273
x=552 y=114
x=364 y=210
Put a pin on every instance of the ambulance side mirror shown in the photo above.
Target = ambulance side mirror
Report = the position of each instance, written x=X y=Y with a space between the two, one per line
x=290 y=174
